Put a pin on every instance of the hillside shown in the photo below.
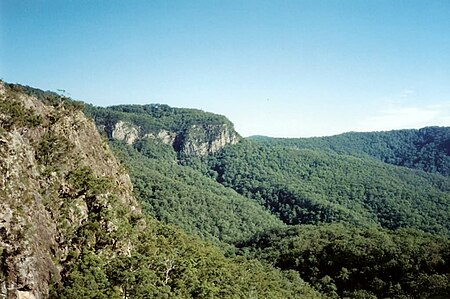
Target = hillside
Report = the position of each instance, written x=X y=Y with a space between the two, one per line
x=273 y=215
x=188 y=131
x=70 y=227
x=341 y=183
x=182 y=196
x=158 y=138
x=351 y=262
x=310 y=187
x=426 y=149
x=57 y=178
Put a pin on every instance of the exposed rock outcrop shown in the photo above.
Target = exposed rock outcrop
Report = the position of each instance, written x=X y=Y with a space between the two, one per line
x=125 y=132
x=163 y=136
x=42 y=149
x=201 y=140
x=195 y=140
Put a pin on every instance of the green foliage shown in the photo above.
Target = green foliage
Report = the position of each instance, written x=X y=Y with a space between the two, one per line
x=172 y=118
x=87 y=279
x=83 y=181
x=155 y=150
x=181 y=196
x=169 y=264
x=48 y=97
x=344 y=261
x=154 y=117
x=426 y=149
x=14 y=114
x=311 y=187
x=51 y=149
x=166 y=263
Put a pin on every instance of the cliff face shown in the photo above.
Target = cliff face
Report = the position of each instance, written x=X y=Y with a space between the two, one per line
x=201 y=140
x=65 y=202
x=196 y=140
x=125 y=132
x=190 y=132
x=55 y=173
x=70 y=228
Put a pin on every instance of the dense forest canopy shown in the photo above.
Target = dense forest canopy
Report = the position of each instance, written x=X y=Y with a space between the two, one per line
x=184 y=197
x=350 y=262
x=304 y=186
x=358 y=215
x=426 y=149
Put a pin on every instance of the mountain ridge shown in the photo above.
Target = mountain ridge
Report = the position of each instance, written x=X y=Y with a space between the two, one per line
x=189 y=131
x=426 y=149
x=236 y=196
x=70 y=227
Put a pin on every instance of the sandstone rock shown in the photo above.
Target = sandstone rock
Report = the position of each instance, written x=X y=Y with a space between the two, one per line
x=207 y=139
x=25 y=295
x=125 y=132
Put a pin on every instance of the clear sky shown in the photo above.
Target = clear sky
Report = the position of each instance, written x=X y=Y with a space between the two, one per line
x=278 y=68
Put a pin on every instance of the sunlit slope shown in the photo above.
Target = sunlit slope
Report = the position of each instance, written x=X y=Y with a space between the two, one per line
x=310 y=186
x=426 y=149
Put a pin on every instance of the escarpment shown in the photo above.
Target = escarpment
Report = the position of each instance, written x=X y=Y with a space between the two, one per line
x=57 y=175
x=70 y=227
x=189 y=132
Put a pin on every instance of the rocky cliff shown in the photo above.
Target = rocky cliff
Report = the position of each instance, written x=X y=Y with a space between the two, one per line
x=55 y=173
x=71 y=229
x=204 y=139
x=190 y=132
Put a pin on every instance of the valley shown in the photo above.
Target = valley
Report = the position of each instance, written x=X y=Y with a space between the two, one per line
x=152 y=201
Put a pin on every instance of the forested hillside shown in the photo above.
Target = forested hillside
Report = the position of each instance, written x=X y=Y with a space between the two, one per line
x=349 y=262
x=70 y=228
x=298 y=186
x=311 y=187
x=272 y=213
x=189 y=132
x=426 y=149
x=174 y=193
x=184 y=197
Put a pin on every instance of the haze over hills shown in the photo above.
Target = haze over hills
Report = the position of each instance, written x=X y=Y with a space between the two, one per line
x=212 y=214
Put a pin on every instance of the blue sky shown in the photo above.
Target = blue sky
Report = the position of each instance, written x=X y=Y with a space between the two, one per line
x=277 y=68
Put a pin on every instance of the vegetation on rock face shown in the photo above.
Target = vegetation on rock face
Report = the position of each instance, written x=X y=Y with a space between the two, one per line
x=81 y=234
x=14 y=114
x=187 y=131
x=49 y=98
x=51 y=149
x=174 y=119
x=63 y=192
